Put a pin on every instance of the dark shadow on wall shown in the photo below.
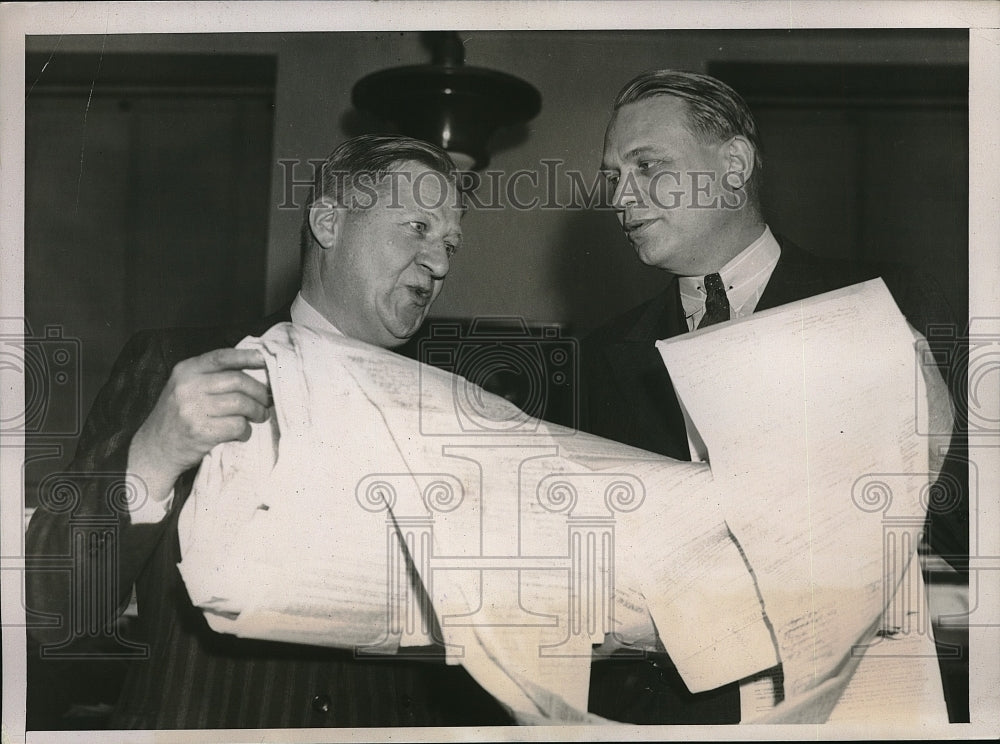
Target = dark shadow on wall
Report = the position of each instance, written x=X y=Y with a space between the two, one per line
x=162 y=222
x=867 y=162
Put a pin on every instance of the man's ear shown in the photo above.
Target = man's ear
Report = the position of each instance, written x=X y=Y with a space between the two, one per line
x=739 y=155
x=325 y=221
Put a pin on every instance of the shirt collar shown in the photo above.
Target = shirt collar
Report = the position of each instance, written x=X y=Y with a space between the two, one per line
x=744 y=277
x=305 y=314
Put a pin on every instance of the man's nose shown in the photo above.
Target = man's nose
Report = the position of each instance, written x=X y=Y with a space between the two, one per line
x=434 y=258
x=624 y=195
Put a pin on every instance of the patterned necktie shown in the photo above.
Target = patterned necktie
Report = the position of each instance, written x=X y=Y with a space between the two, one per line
x=716 y=304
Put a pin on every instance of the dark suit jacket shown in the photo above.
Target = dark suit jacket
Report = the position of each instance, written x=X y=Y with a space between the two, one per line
x=627 y=396
x=193 y=677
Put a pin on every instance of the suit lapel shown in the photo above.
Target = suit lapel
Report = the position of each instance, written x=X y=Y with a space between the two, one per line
x=643 y=380
x=795 y=277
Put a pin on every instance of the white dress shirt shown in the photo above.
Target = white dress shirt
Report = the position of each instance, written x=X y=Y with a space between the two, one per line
x=306 y=315
x=744 y=277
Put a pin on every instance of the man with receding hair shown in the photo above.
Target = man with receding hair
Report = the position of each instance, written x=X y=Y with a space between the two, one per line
x=683 y=158
x=381 y=228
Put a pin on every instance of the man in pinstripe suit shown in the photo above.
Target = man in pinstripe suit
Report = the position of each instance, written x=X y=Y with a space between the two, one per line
x=373 y=263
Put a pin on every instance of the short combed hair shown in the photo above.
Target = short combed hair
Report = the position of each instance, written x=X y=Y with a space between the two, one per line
x=367 y=159
x=715 y=111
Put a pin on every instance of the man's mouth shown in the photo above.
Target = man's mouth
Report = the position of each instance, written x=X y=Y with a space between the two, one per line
x=421 y=295
x=635 y=228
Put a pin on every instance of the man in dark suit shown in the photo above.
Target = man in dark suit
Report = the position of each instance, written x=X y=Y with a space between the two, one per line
x=378 y=236
x=682 y=154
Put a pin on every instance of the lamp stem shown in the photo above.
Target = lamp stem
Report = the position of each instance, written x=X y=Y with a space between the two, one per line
x=447 y=49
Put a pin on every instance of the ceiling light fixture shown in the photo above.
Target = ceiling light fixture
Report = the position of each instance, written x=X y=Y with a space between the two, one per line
x=448 y=103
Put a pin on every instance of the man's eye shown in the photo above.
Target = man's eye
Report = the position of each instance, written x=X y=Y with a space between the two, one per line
x=420 y=227
x=612 y=178
x=645 y=165
x=451 y=249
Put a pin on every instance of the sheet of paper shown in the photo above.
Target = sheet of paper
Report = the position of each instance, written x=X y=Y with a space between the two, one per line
x=890 y=676
x=433 y=511
x=513 y=524
x=370 y=456
x=897 y=679
x=696 y=583
x=285 y=531
x=812 y=442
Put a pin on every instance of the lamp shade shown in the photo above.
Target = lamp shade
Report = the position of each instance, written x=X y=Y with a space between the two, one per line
x=448 y=103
